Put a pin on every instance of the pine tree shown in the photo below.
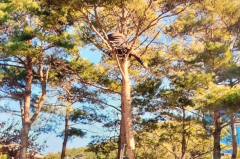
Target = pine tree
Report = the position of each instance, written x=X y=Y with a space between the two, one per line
x=80 y=82
x=26 y=50
x=212 y=48
x=134 y=19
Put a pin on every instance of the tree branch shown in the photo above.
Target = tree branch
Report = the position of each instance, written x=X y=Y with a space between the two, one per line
x=170 y=151
x=150 y=43
x=43 y=84
x=95 y=30
x=98 y=21
x=96 y=100
x=10 y=65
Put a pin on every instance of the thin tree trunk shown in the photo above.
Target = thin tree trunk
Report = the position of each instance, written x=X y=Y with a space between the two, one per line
x=66 y=131
x=216 y=136
x=122 y=139
x=234 y=137
x=127 y=110
x=26 y=123
x=183 y=137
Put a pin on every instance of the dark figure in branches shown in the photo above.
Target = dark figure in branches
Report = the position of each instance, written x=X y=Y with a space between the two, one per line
x=119 y=43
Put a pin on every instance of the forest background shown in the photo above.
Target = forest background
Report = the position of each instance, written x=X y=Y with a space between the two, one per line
x=185 y=105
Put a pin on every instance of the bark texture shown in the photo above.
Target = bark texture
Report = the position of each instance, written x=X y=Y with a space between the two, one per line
x=216 y=136
x=126 y=110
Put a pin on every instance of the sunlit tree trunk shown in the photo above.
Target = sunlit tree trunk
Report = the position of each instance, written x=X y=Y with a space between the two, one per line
x=25 y=108
x=26 y=123
x=126 y=110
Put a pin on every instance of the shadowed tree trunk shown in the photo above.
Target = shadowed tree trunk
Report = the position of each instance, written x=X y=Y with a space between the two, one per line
x=66 y=131
x=122 y=138
x=24 y=140
x=234 y=137
x=17 y=154
x=216 y=136
x=184 y=146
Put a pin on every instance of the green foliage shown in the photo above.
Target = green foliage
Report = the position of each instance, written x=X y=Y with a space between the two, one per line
x=73 y=152
x=4 y=157
x=74 y=132
x=103 y=147
x=165 y=141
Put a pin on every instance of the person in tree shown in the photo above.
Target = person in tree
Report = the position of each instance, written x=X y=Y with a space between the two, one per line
x=119 y=43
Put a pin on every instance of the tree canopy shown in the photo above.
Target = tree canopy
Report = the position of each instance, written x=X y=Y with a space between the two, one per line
x=183 y=106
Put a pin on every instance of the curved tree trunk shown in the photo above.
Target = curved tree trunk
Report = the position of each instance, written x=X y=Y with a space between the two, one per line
x=234 y=137
x=216 y=136
x=127 y=110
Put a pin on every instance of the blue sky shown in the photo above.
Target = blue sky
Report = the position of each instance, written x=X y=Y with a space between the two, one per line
x=93 y=56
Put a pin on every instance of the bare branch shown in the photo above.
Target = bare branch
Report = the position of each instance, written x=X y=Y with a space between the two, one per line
x=10 y=145
x=150 y=42
x=94 y=43
x=95 y=30
x=43 y=85
x=156 y=20
x=98 y=21
x=10 y=65
x=202 y=154
x=13 y=112
x=100 y=87
x=99 y=101
x=170 y=151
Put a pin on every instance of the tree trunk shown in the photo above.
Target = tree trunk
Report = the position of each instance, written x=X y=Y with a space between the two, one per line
x=234 y=137
x=24 y=140
x=216 y=136
x=26 y=123
x=17 y=154
x=122 y=139
x=127 y=110
x=119 y=145
x=66 y=131
x=183 y=136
